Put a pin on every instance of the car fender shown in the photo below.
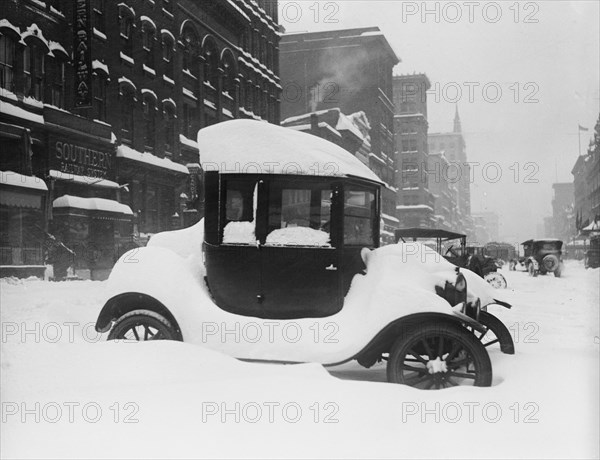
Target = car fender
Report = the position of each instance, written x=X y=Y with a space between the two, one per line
x=153 y=278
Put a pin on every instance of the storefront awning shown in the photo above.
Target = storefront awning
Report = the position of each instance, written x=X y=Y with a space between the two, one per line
x=149 y=159
x=85 y=180
x=14 y=179
x=92 y=204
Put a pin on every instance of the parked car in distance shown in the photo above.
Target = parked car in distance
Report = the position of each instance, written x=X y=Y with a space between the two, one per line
x=542 y=256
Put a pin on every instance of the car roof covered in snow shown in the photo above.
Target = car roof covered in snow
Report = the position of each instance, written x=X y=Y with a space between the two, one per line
x=254 y=147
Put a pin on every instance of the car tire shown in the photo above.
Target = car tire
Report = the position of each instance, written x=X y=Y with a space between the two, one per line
x=411 y=360
x=558 y=271
x=496 y=280
x=142 y=325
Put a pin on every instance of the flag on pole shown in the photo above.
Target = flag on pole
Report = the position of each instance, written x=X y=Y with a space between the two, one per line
x=581 y=128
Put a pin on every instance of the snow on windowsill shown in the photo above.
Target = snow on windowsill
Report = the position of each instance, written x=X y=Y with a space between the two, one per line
x=126 y=58
x=168 y=80
x=99 y=34
x=239 y=233
x=149 y=70
x=190 y=143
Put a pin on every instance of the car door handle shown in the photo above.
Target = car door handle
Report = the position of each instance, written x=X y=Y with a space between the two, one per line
x=331 y=268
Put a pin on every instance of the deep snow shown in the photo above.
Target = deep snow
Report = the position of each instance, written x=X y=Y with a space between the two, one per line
x=184 y=401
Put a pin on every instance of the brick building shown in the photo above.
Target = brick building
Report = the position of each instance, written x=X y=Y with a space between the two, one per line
x=415 y=202
x=101 y=102
x=349 y=70
x=445 y=208
x=586 y=179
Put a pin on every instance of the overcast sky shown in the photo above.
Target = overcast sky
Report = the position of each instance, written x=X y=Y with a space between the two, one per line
x=543 y=56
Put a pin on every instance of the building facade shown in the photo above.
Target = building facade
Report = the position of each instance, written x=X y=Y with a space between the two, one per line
x=487 y=227
x=586 y=180
x=563 y=215
x=349 y=70
x=415 y=202
x=445 y=193
x=101 y=101
x=457 y=172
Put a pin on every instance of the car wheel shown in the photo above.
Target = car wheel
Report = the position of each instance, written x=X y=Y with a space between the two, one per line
x=495 y=332
x=142 y=325
x=558 y=271
x=496 y=280
x=439 y=355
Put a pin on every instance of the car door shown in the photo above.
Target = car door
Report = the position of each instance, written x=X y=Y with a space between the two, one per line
x=300 y=264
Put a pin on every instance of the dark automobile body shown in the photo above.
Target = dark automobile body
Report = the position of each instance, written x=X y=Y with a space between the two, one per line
x=293 y=281
x=461 y=255
x=542 y=256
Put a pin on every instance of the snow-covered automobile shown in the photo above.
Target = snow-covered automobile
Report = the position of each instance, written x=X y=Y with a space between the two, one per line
x=286 y=267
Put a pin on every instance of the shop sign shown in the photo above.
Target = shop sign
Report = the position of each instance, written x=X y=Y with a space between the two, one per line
x=72 y=157
x=82 y=54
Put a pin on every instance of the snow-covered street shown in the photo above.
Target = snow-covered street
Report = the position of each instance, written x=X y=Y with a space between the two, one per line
x=66 y=393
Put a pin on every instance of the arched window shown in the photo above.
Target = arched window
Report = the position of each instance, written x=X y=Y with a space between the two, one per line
x=148 y=32
x=229 y=75
x=127 y=105
x=57 y=83
x=149 y=106
x=7 y=62
x=190 y=50
x=167 y=54
x=99 y=92
x=126 y=28
x=169 y=116
x=211 y=69
x=33 y=70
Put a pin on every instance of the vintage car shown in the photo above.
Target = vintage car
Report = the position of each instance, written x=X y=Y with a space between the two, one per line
x=286 y=267
x=453 y=246
x=542 y=256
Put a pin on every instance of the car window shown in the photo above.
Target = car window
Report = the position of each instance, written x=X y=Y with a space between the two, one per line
x=240 y=212
x=359 y=217
x=299 y=216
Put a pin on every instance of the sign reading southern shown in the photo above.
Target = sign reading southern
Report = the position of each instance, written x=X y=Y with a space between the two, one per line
x=82 y=54
x=82 y=160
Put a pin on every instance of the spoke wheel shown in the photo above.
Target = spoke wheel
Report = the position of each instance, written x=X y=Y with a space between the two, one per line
x=496 y=280
x=141 y=326
x=439 y=355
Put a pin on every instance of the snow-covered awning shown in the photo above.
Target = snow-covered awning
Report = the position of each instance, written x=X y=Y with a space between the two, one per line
x=20 y=180
x=247 y=145
x=18 y=112
x=91 y=204
x=92 y=181
x=124 y=151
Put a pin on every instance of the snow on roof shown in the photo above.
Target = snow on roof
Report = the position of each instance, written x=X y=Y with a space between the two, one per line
x=91 y=204
x=232 y=146
x=82 y=179
x=19 y=180
x=10 y=109
x=124 y=151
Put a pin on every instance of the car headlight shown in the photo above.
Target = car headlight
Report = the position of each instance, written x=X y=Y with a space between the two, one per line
x=461 y=283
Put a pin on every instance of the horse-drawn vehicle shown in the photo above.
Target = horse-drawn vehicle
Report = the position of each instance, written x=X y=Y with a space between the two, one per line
x=285 y=267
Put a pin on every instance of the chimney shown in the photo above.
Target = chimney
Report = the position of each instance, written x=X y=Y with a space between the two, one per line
x=314 y=124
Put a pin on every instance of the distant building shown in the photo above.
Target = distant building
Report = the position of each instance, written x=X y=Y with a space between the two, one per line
x=491 y=226
x=415 y=202
x=444 y=192
x=454 y=148
x=349 y=70
x=563 y=215
x=586 y=176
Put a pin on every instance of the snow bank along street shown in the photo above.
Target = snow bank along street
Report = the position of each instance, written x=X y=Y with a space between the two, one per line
x=67 y=393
